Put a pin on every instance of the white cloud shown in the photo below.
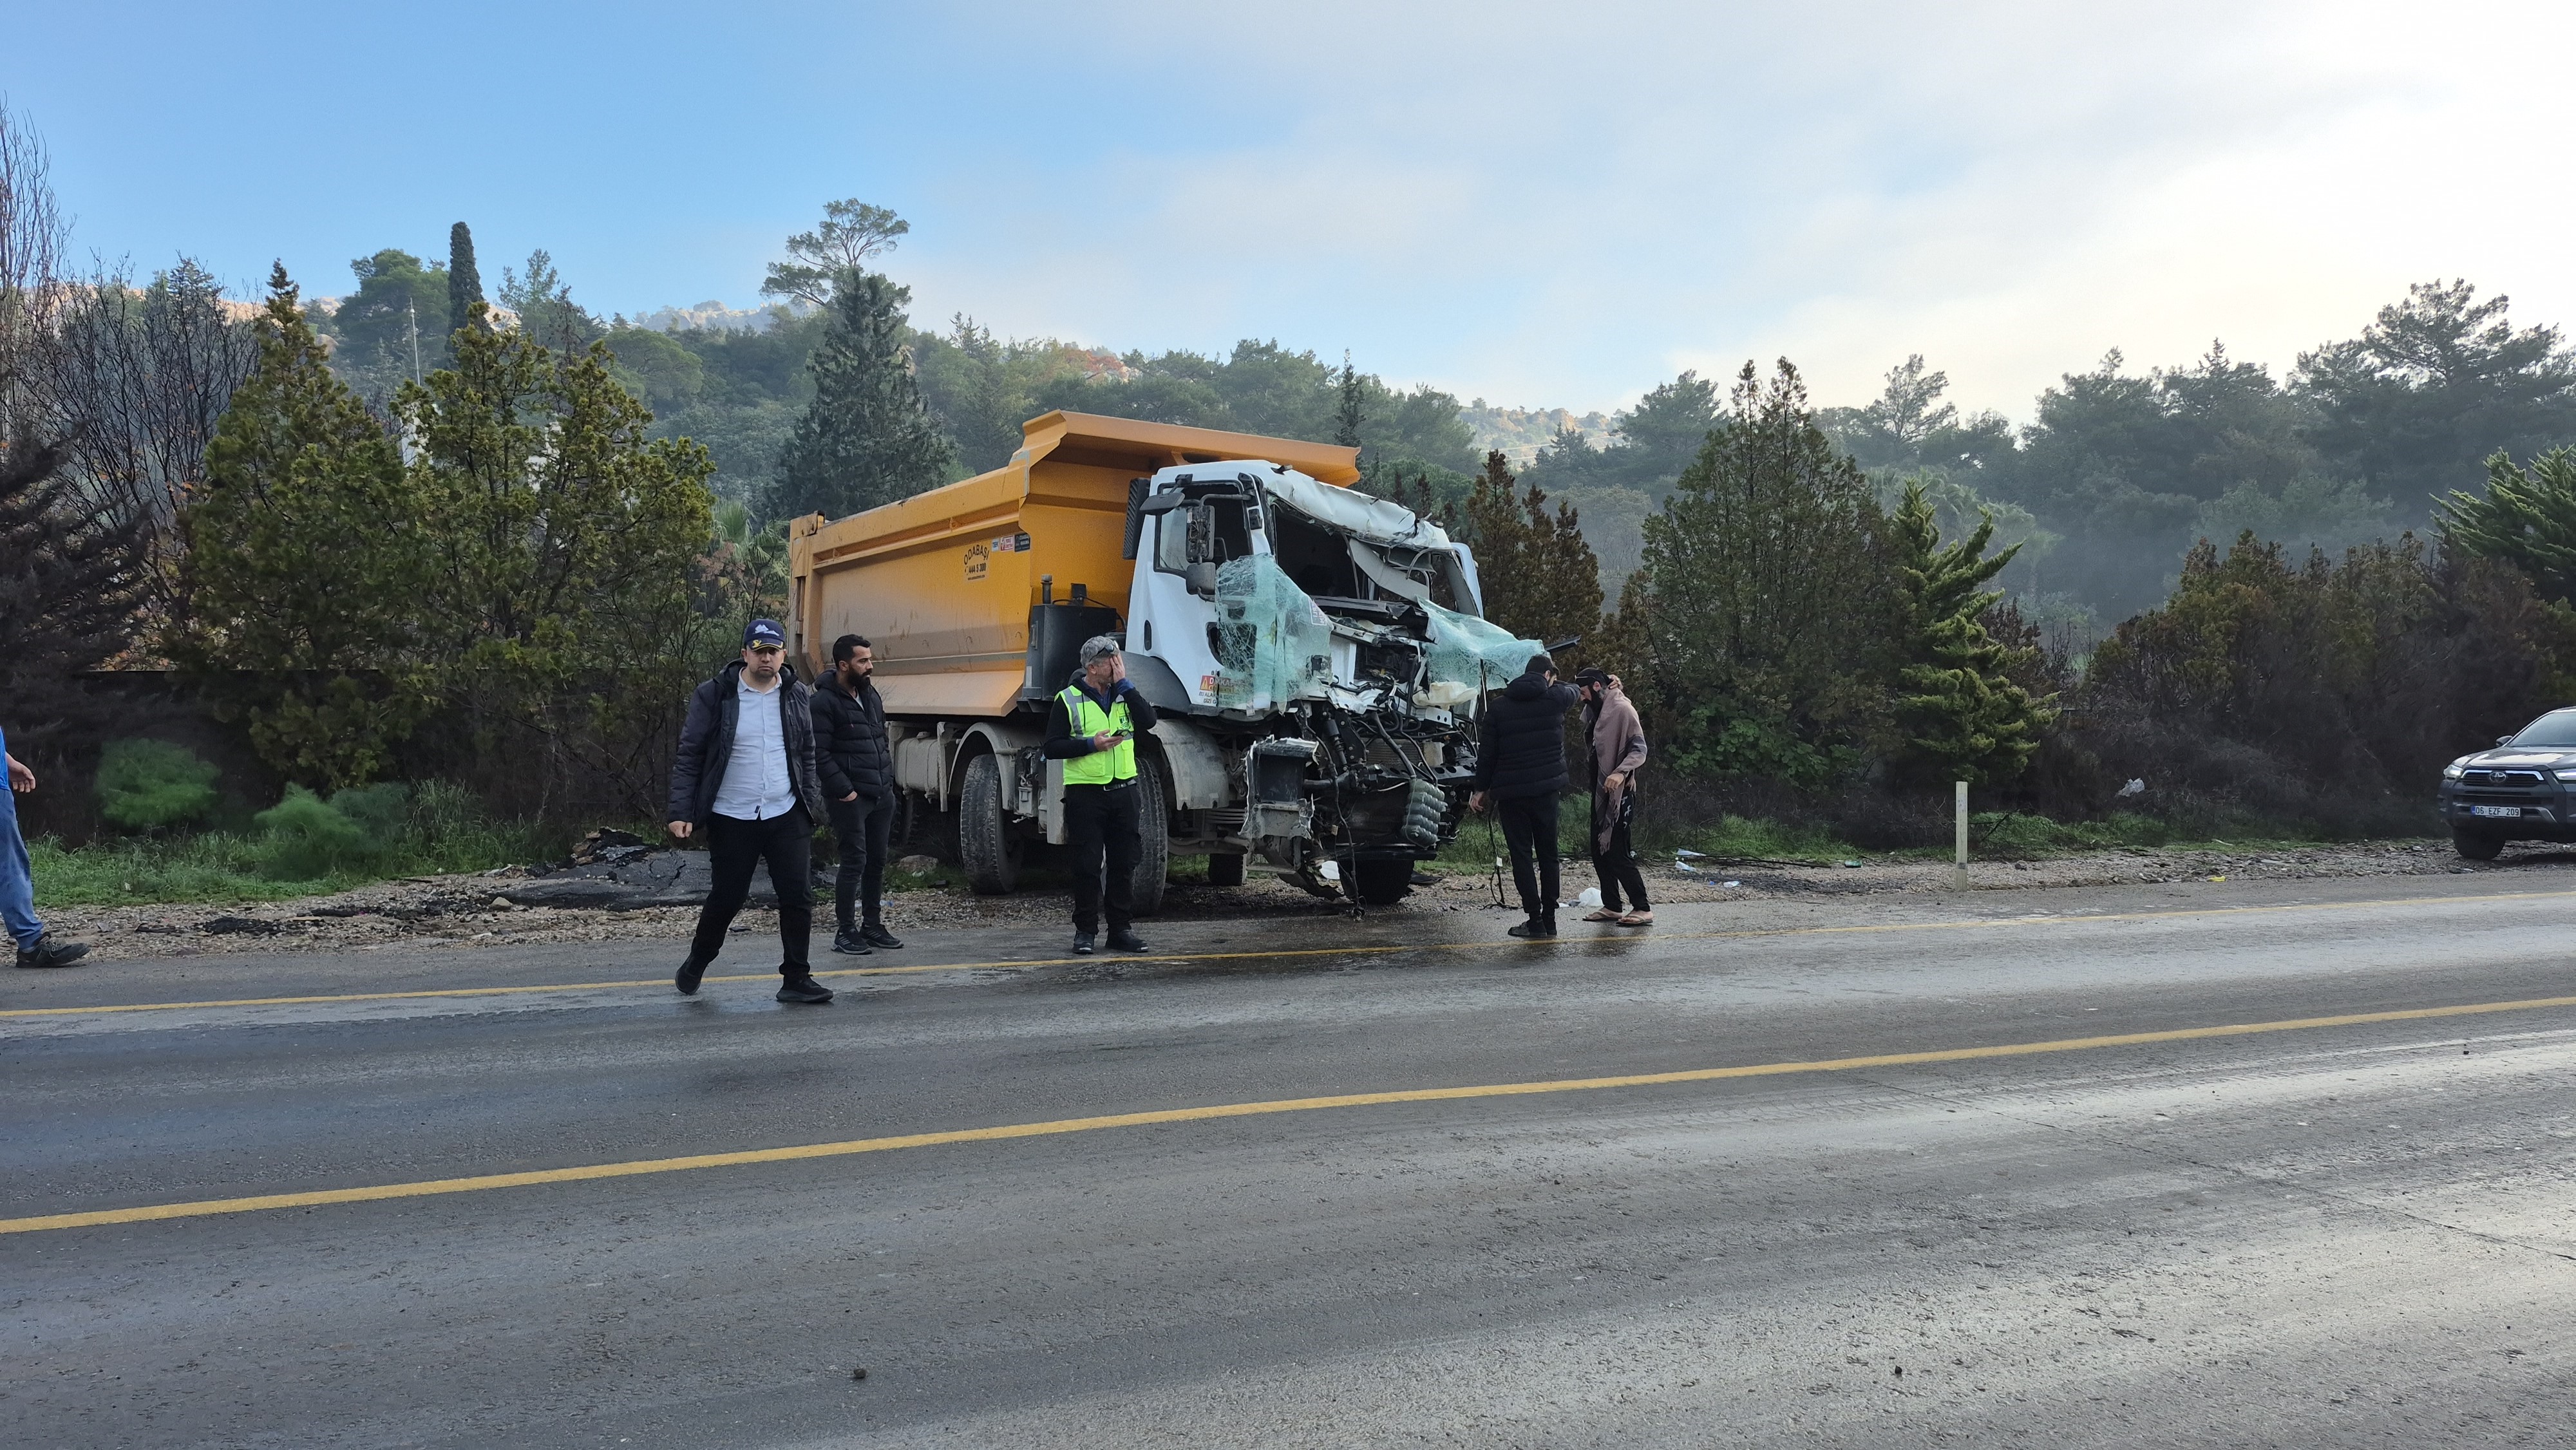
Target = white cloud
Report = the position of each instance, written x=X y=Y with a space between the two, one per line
x=1563 y=206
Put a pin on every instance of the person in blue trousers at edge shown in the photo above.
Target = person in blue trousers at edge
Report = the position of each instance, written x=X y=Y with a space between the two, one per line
x=36 y=946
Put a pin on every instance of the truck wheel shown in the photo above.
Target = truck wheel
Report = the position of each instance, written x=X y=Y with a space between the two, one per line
x=1384 y=883
x=2476 y=845
x=1225 y=870
x=1154 y=831
x=985 y=842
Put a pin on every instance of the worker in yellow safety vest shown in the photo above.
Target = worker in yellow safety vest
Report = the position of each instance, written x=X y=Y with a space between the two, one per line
x=1092 y=725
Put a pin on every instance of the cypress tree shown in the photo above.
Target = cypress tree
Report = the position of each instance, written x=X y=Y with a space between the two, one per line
x=464 y=283
x=1963 y=717
x=866 y=439
x=1349 y=416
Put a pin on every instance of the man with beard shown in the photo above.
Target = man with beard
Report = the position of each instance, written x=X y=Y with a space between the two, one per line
x=858 y=776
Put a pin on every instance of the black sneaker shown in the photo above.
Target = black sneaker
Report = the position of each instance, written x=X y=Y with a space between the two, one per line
x=1082 y=944
x=875 y=935
x=48 y=952
x=691 y=972
x=805 y=990
x=848 y=943
x=1126 y=941
x=1537 y=928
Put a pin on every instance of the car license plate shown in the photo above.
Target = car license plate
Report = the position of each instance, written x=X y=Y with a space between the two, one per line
x=2511 y=813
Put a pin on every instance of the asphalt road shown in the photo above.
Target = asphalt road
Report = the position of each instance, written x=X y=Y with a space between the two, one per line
x=1887 y=1231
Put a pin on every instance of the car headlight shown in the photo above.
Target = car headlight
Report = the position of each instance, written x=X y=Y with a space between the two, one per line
x=2568 y=775
x=2451 y=771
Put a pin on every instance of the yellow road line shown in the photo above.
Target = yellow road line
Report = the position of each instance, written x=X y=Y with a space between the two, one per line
x=1343 y=951
x=636 y=1168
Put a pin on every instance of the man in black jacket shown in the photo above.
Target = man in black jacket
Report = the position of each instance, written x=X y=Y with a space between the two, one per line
x=858 y=776
x=1520 y=762
x=745 y=775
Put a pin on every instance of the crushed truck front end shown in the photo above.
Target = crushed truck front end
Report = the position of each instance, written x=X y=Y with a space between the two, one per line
x=1330 y=642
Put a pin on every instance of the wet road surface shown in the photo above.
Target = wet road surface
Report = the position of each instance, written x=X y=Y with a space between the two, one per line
x=1853 y=1209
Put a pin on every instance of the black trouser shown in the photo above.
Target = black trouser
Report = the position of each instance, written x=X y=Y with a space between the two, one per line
x=1618 y=868
x=1529 y=821
x=860 y=826
x=787 y=844
x=1098 y=819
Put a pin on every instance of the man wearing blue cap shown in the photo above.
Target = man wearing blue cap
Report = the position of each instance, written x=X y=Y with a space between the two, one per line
x=745 y=776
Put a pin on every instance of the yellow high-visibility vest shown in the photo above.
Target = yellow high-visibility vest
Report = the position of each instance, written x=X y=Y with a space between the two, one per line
x=1100 y=767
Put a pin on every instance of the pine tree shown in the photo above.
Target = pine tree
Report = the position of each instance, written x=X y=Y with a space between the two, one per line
x=464 y=284
x=1963 y=717
x=1624 y=644
x=69 y=583
x=305 y=567
x=1540 y=578
x=866 y=438
x=1769 y=626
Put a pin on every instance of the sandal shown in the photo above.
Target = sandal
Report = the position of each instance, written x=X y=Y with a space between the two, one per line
x=1605 y=914
x=1638 y=918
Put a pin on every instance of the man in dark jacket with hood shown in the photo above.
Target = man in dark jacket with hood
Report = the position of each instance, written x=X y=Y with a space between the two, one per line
x=745 y=776
x=1520 y=762
x=858 y=779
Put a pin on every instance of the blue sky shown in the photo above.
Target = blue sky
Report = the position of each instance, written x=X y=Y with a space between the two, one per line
x=1544 y=205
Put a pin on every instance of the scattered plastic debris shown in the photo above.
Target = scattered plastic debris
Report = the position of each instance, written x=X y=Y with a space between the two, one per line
x=2134 y=787
x=1734 y=883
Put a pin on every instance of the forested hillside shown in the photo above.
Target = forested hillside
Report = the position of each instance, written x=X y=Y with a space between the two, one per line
x=2214 y=576
x=2119 y=471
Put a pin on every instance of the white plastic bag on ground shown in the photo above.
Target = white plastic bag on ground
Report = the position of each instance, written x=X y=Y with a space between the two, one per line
x=1591 y=897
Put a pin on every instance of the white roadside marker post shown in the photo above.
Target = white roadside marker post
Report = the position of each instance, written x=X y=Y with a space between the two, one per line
x=1960 y=874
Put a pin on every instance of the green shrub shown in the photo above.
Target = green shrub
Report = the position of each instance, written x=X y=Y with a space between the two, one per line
x=151 y=785
x=304 y=839
x=383 y=811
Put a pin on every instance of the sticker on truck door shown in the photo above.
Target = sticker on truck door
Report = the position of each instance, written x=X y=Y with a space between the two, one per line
x=978 y=558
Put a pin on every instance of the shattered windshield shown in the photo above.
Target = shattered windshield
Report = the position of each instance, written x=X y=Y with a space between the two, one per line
x=1272 y=644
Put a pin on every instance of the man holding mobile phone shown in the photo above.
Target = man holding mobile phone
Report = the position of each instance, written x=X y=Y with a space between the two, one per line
x=1091 y=727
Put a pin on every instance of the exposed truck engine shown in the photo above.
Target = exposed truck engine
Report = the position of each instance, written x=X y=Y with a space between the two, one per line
x=1316 y=655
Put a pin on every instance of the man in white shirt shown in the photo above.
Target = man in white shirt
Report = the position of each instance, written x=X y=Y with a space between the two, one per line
x=745 y=776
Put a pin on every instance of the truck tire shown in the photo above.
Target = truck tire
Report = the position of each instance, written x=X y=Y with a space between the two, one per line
x=1384 y=883
x=2476 y=845
x=1225 y=869
x=1153 y=831
x=986 y=845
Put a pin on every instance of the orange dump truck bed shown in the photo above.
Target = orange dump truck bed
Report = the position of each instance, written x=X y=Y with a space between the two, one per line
x=942 y=582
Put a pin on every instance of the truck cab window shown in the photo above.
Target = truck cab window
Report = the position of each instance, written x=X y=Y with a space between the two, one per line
x=1318 y=559
x=1211 y=532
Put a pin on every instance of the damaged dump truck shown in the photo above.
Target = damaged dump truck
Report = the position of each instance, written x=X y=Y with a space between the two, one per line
x=1316 y=654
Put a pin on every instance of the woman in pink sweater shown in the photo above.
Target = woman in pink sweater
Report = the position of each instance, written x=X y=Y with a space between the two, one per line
x=1618 y=743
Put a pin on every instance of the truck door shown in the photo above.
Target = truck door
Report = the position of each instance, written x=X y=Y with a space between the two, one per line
x=1171 y=604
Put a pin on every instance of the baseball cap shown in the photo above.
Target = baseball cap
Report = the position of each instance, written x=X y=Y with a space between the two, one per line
x=1592 y=675
x=763 y=631
x=1101 y=646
